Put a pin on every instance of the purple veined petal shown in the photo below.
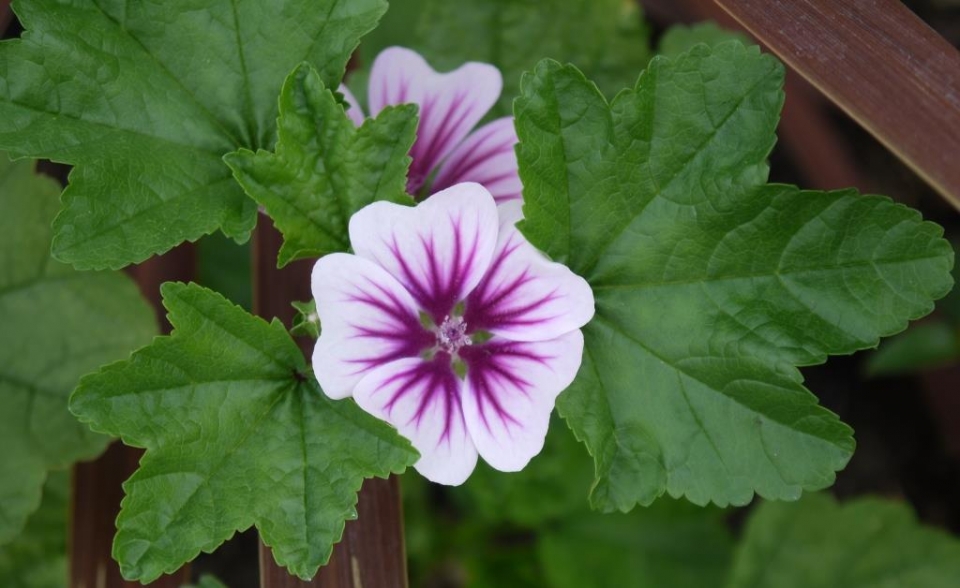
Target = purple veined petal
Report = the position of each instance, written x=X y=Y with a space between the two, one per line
x=486 y=157
x=524 y=296
x=354 y=112
x=367 y=319
x=511 y=388
x=451 y=104
x=422 y=399
x=439 y=250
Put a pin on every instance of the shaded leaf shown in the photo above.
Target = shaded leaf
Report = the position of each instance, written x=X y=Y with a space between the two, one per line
x=923 y=346
x=817 y=543
x=56 y=324
x=237 y=434
x=146 y=97
x=607 y=38
x=681 y=38
x=671 y=543
x=37 y=558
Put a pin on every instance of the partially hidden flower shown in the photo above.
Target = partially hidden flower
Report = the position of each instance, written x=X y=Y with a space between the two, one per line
x=451 y=104
x=448 y=324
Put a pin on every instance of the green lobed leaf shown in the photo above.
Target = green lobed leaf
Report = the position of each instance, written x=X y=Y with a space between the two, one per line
x=146 y=97
x=237 y=433
x=37 y=558
x=324 y=168
x=710 y=285
x=56 y=324
x=608 y=38
x=817 y=543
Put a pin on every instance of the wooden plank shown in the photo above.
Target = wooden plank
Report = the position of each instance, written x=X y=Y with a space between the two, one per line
x=806 y=129
x=6 y=15
x=97 y=490
x=371 y=553
x=878 y=62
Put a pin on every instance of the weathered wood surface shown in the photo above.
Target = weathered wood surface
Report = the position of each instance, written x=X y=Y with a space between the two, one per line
x=97 y=490
x=878 y=62
x=371 y=554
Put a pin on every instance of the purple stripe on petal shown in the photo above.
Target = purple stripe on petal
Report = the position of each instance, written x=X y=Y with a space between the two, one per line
x=486 y=157
x=523 y=296
x=368 y=319
x=438 y=250
x=423 y=400
x=510 y=391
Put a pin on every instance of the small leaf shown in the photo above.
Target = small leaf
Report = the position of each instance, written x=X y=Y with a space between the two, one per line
x=56 y=324
x=306 y=323
x=710 y=285
x=145 y=98
x=817 y=543
x=324 y=168
x=237 y=434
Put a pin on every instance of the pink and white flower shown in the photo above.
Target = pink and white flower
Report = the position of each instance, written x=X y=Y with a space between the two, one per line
x=449 y=325
x=451 y=104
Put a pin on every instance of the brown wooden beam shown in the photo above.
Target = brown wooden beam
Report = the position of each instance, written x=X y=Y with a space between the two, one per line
x=97 y=485
x=807 y=132
x=6 y=15
x=878 y=62
x=371 y=553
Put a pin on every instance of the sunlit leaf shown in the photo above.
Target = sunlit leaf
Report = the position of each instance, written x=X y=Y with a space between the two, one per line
x=146 y=97
x=237 y=433
x=711 y=285
x=324 y=168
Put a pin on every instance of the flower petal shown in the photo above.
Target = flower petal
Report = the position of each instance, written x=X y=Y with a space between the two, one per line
x=486 y=157
x=354 y=112
x=422 y=399
x=510 y=392
x=524 y=296
x=367 y=319
x=438 y=250
x=451 y=104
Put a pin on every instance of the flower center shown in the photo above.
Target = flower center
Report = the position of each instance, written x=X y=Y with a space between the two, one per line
x=452 y=334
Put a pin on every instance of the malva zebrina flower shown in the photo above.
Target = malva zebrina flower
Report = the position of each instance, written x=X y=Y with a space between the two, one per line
x=450 y=105
x=448 y=324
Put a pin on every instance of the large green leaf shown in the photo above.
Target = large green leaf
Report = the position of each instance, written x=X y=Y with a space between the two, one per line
x=866 y=543
x=37 y=558
x=146 y=97
x=237 y=433
x=56 y=324
x=710 y=285
x=324 y=168
x=607 y=38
